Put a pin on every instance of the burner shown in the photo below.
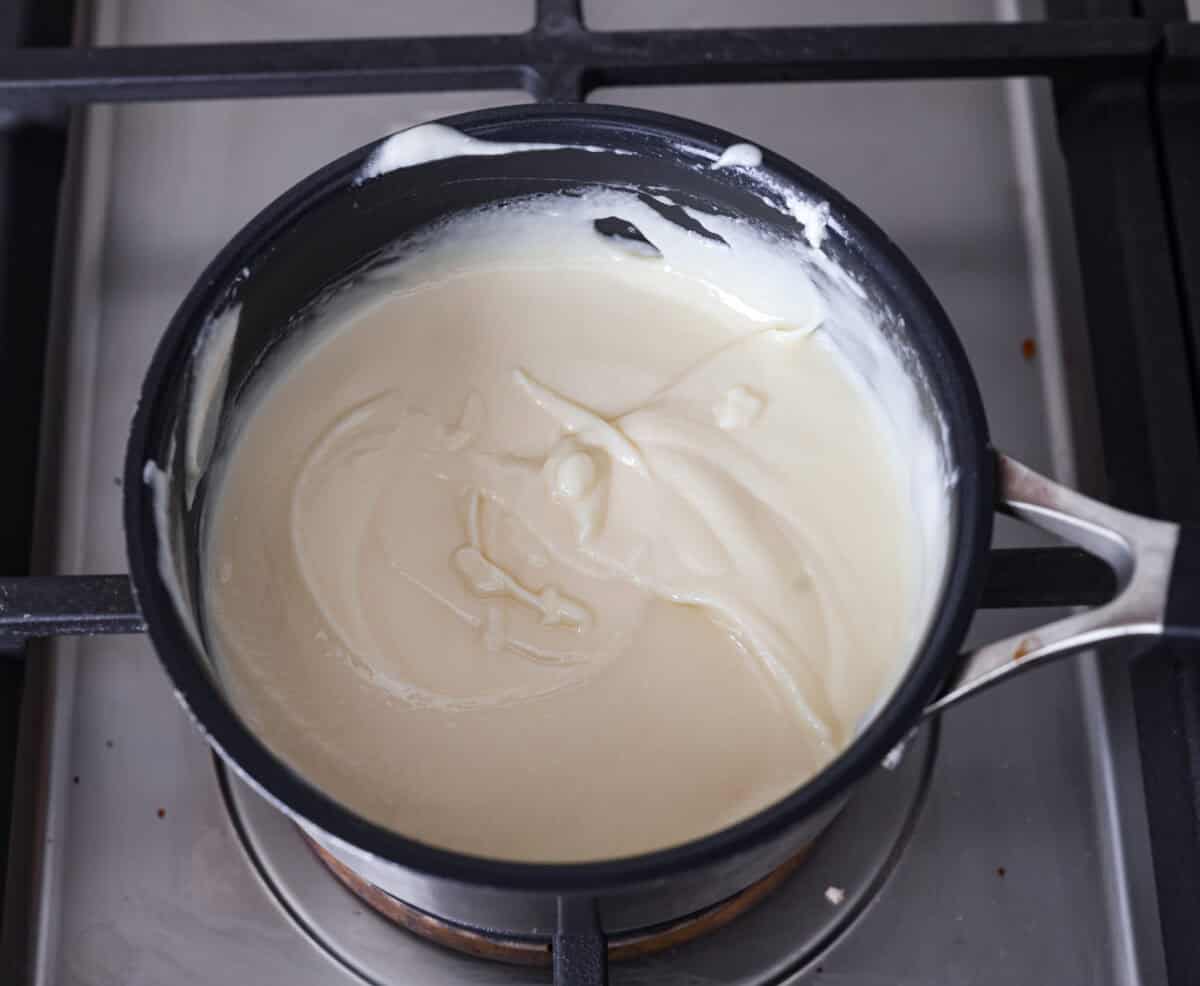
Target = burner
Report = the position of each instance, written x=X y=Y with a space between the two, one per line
x=488 y=945
x=735 y=942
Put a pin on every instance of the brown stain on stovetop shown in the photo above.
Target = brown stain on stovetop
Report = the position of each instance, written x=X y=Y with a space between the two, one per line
x=630 y=945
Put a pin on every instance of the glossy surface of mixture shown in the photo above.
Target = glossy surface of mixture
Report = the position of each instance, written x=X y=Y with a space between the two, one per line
x=547 y=545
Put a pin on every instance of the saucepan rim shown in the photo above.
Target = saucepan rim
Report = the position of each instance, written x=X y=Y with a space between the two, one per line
x=944 y=362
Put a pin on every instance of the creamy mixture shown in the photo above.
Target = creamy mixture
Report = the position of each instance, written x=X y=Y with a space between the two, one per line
x=552 y=545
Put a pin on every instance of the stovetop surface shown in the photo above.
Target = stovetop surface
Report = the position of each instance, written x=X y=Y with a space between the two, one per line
x=1028 y=862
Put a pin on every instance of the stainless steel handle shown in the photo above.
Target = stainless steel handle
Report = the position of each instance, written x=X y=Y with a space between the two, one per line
x=1142 y=553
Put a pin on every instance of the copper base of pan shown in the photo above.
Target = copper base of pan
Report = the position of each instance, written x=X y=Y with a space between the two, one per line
x=629 y=945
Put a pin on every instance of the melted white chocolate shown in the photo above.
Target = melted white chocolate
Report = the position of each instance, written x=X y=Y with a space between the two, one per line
x=542 y=549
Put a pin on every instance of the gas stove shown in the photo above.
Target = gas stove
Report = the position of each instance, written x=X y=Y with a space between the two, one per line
x=1044 y=832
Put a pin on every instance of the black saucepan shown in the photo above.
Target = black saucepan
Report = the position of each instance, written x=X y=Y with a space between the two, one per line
x=319 y=233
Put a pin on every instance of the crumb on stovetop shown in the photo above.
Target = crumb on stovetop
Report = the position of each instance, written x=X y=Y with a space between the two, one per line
x=835 y=895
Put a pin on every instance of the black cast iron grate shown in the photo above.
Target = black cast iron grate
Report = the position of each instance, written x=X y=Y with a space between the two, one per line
x=1126 y=82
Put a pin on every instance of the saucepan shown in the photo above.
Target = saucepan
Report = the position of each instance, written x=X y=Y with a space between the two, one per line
x=341 y=220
